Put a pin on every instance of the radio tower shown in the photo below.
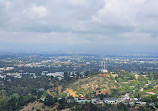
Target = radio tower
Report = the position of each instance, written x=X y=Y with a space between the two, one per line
x=103 y=70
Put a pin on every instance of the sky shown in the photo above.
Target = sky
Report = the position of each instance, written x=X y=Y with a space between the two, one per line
x=92 y=26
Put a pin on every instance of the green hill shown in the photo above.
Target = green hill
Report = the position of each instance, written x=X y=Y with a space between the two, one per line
x=94 y=85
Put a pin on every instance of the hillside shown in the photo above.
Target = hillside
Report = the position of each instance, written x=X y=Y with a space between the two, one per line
x=94 y=85
x=35 y=106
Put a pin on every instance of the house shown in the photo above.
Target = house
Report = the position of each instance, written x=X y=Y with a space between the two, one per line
x=112 y=100
x=20 y=65
x=125 y=99
x=17 y=77
x=1 y=76
x=42 y=99
x=60 y=78
x=137 y=76
x=141 y=103
x=81 y=100
x=44 y=73
x=126 y=96
x=151 y=93
x=8 y=68
x=56 y=74
x=41 y=89
x=97 y=101
x=134 y=99
x=131 y=103
x=133 y=86
x=69 y=100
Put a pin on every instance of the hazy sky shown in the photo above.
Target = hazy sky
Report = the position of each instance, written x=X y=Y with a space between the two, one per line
x=110 y=26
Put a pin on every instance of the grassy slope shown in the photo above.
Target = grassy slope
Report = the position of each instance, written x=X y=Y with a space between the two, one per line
x=90 y=84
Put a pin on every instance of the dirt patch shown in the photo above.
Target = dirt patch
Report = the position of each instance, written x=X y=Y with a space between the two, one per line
x=70 y=92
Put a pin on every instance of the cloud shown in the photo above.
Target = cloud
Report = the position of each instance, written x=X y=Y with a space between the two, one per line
x=139 y=14
x=37 y=12
x=81 y=22
x=77 y=2
x=122 y=13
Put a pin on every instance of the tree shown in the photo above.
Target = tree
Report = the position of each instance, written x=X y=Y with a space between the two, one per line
x=12 y=104
x=154 y=98
x=151 y=76
x=49 y=101
x=122 y=107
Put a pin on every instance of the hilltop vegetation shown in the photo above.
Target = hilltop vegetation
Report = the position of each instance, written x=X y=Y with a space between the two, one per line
x=94 y=85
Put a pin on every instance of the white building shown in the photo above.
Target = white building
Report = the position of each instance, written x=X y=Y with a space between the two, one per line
x=103 y=70
x=97 y=101
x=44 y=73
x=56 y=74
x=6 y=68
x=112 y=100
x=1 y=76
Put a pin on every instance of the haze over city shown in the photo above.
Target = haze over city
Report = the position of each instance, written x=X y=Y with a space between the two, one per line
x=91 y=26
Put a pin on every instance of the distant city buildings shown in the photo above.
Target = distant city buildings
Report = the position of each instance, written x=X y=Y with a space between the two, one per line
x=6 y=68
